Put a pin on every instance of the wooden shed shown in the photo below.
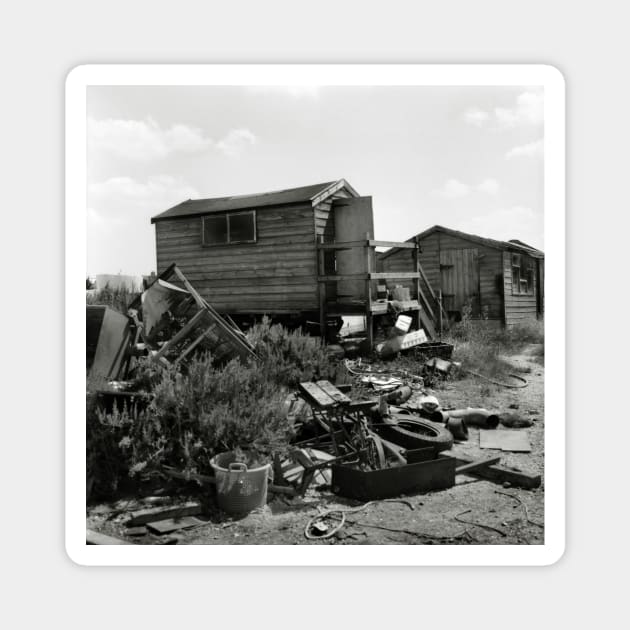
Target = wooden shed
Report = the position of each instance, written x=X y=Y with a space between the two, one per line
x=501 y=281
x=252 y=253
x=305 y=252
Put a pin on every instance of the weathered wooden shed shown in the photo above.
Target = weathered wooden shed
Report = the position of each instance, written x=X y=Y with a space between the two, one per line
x=501 y=281
x=252 y=253
x=306 y=252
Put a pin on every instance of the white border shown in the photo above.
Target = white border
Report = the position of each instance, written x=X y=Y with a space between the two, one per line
x=380 y=75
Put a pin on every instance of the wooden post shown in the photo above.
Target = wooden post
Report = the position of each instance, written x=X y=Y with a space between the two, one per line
x=369 y=327
x=416 y=264
x=321 y=290
x=440 y=312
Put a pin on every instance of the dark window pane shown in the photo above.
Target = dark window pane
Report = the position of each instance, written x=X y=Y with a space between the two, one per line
x=242 y=227
x=214 y=230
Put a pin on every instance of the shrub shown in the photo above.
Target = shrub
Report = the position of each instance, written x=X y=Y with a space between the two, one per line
x=289 y=357
x=106 y=462
x=193 y=415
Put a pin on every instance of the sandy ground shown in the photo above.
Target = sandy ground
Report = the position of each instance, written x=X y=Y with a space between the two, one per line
x=430 y=518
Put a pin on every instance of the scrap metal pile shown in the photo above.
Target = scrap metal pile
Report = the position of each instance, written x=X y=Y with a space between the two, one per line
x=373 y=449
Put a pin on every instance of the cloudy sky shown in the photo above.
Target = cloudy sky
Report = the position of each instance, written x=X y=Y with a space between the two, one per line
x=466 y=158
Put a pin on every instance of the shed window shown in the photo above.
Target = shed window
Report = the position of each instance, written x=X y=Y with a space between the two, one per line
x=225 y=229
x=522 y=275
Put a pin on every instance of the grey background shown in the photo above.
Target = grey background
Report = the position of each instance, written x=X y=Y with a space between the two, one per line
x=41 y=42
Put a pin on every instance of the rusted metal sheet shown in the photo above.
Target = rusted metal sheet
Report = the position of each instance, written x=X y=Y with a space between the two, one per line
x=432 y=474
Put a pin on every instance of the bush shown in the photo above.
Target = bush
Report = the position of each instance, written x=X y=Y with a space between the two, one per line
x=192 y=416
x=107 y=465
x=200 y=410
x=289 y=357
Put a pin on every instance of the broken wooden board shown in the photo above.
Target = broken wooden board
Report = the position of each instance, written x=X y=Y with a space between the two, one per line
x=317 y=396
x=515 y=441
x=501 y=474
x=333 y=392
x=152 y=515
x=173 y=524
x=476 y=465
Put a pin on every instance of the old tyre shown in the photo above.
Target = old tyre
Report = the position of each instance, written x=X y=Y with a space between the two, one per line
x=411 y=433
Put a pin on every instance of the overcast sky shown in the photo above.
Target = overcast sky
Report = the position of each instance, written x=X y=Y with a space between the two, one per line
x=466 y=158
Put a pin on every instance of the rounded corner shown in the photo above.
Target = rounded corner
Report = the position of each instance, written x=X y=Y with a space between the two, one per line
x=556 y=554
x=554 y=75
x=76 y=74
x=74 y=555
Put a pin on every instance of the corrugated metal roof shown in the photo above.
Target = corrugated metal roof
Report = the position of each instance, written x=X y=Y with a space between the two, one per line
x=194 y=207
x=490 y=242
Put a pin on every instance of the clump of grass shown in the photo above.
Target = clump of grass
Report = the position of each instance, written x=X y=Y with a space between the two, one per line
x=484 y=349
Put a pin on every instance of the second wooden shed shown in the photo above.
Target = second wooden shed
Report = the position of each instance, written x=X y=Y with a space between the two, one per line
x=498 y=281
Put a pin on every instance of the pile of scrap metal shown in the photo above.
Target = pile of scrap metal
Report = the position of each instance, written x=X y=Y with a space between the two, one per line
x=167 y=322
x=368 y=450
x=371 y=449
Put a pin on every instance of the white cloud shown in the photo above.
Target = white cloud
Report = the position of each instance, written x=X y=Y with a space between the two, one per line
x=454 y=189
x=144 y=140
x=476 y=117
x=489 y=186
x=120 y=195
x=528 y=110
x=236 y=141
x=531 y=149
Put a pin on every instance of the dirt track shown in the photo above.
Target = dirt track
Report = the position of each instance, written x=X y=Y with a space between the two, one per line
x=498 y=518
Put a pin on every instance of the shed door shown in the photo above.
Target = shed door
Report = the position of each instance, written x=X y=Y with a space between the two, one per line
x=459 y=271
x=354 y=221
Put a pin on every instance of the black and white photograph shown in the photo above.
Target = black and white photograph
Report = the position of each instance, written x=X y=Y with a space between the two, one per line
x=315 y=314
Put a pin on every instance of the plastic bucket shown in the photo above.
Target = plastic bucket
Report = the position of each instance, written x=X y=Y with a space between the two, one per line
x=239 y=489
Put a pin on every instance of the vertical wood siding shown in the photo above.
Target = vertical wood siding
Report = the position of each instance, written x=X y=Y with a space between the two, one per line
x=433 y=246
x=518 y=308
x=277 y=274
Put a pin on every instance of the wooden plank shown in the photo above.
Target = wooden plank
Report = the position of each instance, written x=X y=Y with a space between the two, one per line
x=173 y=524
x=316 y=395
x=501 y=474
x=476 y=465
x=333 y=392
x=340 y=246
x=393 y=275
x=152 y=515
x=427 y=324
x=186 y=330
x=396 y=244
x=96 y=538
x=427 y=306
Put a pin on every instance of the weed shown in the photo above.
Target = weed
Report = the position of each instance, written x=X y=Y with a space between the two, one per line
x=483 y=348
